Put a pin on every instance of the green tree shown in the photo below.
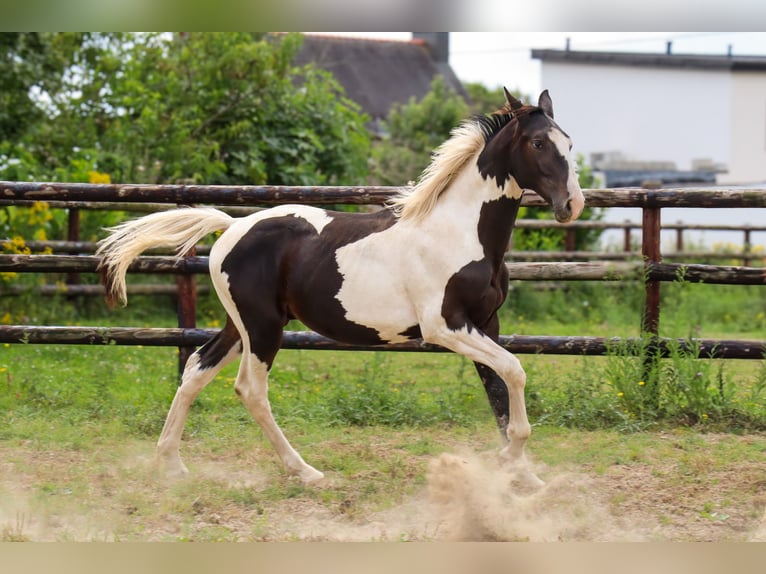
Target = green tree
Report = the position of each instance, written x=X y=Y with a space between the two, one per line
x=483 y=100
x=414 y=130
x=227 y=108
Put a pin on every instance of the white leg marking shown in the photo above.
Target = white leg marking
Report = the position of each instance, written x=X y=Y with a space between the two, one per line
x=194 y=379
x=252 y=388
x=478 y=347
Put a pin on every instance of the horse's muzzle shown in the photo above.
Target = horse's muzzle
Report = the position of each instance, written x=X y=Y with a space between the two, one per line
x=564 y=213
x=571 y=209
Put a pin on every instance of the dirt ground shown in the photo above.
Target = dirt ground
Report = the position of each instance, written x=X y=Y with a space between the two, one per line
x=461 y=495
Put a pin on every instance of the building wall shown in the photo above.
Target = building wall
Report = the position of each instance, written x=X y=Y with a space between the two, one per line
x=647 y=114
x=747 y=161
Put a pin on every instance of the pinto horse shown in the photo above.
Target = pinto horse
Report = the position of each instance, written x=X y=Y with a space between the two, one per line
x=428 y=266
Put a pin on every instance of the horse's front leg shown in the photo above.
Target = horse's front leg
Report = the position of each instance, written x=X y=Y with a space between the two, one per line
x=474 y=344
x=494 y=386
x=497 y=394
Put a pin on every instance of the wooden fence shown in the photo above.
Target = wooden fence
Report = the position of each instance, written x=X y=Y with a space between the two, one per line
x=151 y=197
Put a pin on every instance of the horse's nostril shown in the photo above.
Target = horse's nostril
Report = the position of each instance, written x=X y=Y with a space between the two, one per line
x=569 y=206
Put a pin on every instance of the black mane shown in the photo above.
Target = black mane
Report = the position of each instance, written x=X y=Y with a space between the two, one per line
x=492 y=124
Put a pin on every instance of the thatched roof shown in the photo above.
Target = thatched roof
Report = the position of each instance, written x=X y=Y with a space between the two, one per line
x=377 y=74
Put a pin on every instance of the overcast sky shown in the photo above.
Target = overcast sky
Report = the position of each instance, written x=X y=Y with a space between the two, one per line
x=503 y=58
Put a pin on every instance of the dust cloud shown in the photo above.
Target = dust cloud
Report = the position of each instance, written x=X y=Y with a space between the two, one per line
x=476 y=498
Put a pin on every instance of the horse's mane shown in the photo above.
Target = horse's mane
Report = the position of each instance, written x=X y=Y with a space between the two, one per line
x=465 y=141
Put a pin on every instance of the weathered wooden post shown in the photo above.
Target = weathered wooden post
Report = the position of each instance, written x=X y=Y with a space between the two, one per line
x=650 y=251
x=680 y=237
x=650 y=323
x=626 y=245
x=187 y=310
x=73 y=235
x=570 y=239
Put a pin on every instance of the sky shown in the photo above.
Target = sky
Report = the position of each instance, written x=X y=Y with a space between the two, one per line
x=503 y=58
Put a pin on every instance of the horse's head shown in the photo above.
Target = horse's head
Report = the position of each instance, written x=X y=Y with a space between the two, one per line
x=536 y=152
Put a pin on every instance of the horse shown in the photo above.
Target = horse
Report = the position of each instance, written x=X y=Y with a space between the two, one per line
x=429 y=265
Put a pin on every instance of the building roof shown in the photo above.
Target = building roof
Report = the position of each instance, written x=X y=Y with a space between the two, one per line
x=377 y=74
x=655 y=60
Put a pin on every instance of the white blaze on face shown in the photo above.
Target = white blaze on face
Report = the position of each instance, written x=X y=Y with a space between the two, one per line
x=576 y=198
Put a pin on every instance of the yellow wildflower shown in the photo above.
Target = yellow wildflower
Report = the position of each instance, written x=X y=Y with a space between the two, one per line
x=98 y=177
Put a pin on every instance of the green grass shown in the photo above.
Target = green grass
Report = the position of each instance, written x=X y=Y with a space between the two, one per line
x=128 y=389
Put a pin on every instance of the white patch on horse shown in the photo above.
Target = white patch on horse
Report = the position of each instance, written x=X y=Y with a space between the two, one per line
x=395 y=277
x=576 y=198
x=512 y=189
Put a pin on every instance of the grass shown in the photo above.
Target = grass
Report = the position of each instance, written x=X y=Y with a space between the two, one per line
x=79 y=424
x=127 y=389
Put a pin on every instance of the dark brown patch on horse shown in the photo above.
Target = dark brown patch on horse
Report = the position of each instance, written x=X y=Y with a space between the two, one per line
x=413 y=332
x=214 y=351
x=283 y=269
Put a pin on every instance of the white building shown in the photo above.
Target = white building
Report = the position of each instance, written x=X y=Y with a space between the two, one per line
x=651 y=114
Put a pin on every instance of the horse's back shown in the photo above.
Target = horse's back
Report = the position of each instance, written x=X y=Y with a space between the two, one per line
x=293 y=261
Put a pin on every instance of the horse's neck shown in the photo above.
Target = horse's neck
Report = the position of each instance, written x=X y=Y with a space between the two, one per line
x=473 y=205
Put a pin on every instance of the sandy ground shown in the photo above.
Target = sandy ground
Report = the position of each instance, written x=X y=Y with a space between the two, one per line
x=466 y=496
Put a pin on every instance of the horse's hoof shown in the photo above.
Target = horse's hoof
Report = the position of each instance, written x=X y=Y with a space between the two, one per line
x=530 y=479
x=172 y=471
x=310 y=476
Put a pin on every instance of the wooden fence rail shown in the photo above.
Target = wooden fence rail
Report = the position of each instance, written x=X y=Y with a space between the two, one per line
x=521 y=344
x=249 y=195
x=542 y=271
x=651 y=269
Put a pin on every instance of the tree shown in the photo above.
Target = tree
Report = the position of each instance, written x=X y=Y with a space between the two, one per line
x=414 y=130
x=225 y=108
x=483 y=100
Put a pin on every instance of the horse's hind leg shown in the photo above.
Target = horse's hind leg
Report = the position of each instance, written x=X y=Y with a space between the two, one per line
x=201 y=368
x=261 y=341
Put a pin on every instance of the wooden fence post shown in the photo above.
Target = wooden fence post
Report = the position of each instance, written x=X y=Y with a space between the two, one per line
x=650 y=322
x=187 y=311
x=570 y=239
x=650 y=251
x=626 y=246
x=73 y=235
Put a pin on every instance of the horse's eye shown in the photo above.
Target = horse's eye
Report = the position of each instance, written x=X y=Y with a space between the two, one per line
x=537 y=144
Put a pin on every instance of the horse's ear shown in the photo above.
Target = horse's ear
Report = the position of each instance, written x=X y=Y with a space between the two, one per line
x=545 y=103
x=512 y=102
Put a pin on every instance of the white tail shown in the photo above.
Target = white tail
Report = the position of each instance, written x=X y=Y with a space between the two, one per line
x=179 y=229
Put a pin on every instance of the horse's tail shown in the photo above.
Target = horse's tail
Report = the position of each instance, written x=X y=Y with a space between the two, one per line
x=179 y=229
